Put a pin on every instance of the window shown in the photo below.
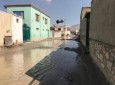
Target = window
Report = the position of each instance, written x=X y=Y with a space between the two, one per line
x=37 y=28
x=59 y=29
x=37 y=17
x=19 y=13
x=47 y=30
x=43 y=18
x=46 y=21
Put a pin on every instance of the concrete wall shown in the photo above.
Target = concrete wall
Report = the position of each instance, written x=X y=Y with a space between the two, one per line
x=44 y=29
x=5 y=26
x=84 y=10
x=102 y=21
x=10 y=27
x=84 y=25
x=83 y=31
x=102 y=33
x=17 y=30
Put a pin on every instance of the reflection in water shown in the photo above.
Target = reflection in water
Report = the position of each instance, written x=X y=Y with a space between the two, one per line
x=54 y=66
x=14 y=64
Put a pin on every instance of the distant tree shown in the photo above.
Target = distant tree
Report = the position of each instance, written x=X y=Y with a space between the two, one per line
x=61 y=21
x=57 y=21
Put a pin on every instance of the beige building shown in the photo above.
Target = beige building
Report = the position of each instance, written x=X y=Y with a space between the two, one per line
x=59 y=30
x=10 y=29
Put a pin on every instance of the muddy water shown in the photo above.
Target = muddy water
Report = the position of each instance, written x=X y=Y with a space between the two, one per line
x=14 y=62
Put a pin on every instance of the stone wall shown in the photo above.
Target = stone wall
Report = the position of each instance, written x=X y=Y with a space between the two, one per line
x=104 y=55
x=102 y=33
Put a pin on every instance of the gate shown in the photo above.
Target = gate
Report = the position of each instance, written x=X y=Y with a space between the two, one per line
x=26 y=34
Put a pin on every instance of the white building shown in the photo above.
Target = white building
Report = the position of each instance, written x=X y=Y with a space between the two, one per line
x=59 y=30
x=11 y=32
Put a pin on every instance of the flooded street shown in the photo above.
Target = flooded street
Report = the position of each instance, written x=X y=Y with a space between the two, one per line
x=15 y=61
x=58 y=62
x=66 y=66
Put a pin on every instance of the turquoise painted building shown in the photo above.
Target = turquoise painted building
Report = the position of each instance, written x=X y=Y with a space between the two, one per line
x=36 y=24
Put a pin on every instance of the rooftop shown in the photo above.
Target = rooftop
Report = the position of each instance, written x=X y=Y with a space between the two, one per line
x=84 y=11
x=25 y=5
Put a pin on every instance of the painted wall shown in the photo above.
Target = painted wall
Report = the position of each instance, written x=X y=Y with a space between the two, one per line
x=10 y=27
x=5 y=26
x=27 y=13
x=26 y=20
x=43 y=32
x=17 y=30
x=30 y=20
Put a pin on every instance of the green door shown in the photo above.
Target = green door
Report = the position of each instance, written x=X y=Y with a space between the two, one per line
x=26 y=34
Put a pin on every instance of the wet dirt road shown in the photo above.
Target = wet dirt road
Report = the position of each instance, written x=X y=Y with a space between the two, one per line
x=67 y=66
x=15 y=61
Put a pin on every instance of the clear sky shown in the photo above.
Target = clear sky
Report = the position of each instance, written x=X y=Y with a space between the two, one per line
x=57 y=9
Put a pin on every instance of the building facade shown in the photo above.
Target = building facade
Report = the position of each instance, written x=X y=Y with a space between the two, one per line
x=10 y=29
x=36 y=24
x=102 y=33
x=101 y=36
x=57 y=31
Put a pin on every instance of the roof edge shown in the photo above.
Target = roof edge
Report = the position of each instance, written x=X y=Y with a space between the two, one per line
x=18 y=5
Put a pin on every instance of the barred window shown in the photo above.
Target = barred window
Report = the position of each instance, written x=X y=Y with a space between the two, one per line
x=37 y=17
x=46 y=21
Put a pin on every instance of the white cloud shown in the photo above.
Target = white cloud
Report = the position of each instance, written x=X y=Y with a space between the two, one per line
x=49 y=1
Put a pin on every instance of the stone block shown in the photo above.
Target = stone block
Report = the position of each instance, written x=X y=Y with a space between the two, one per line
x=102 y=65
x=109 y=65
x=103 y=50
x=107 y=55
x=101 y=57
x=112 y=54
x=114 y=77
x=113 y=70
